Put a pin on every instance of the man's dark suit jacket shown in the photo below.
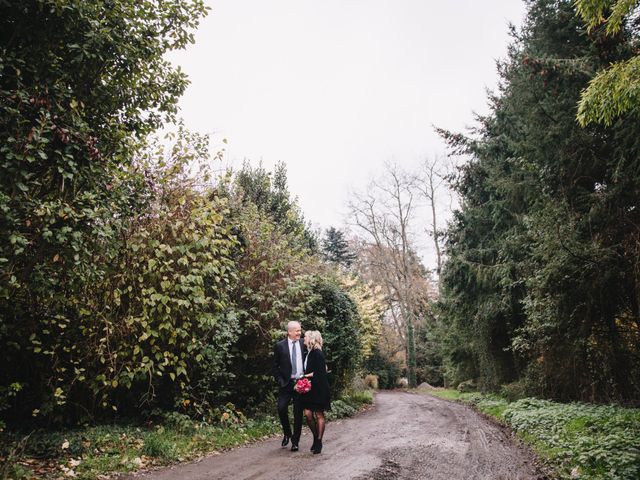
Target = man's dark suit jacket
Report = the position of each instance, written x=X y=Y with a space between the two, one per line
x=282 y=361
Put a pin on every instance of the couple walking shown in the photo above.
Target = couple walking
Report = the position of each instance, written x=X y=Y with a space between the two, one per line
x=296 y=358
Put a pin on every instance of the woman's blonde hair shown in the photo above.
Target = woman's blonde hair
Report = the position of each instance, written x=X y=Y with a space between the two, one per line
x=315 y=339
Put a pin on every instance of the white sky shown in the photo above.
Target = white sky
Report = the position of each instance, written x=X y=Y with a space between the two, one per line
x=334 y=88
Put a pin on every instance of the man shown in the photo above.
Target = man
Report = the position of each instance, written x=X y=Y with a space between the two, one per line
x=288 y=366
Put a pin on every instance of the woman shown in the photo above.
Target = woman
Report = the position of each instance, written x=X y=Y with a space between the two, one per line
x=318 y=399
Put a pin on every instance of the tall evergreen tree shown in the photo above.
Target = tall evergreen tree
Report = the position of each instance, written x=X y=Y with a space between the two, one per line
x=270 y=193
x=542 y=283
x=336 y=249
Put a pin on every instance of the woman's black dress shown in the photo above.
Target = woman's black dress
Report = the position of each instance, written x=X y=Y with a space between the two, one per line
x=319 y=397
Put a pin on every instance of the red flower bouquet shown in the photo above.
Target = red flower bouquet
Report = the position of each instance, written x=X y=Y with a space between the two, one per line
x=303 y=385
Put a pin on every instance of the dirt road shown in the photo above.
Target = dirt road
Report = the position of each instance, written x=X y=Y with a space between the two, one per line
x=404 y=436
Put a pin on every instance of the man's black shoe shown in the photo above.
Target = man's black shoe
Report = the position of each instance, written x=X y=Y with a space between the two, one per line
x=294 y=447
x=285 y=440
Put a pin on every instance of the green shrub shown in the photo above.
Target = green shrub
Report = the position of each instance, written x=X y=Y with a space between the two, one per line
x=467 y=386
x=340 y=409
x=177 y=421
x=514 y=391
x=158 y=444
x=371 y=381
x=358 y=398
x=598 y=441
x=384 y=368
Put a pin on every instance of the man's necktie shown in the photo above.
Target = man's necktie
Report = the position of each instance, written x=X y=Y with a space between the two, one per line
x=294 y=363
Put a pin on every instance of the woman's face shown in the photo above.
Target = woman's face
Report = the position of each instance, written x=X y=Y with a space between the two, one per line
x=306 y=341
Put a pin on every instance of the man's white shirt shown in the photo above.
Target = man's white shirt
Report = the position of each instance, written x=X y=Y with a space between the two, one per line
x=299 y=366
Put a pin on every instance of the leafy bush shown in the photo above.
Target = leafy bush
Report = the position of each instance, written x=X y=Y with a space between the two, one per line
x=371 y=381
x=577 y=440
x=340 y=331
x=156 y=444
x=599 y=441
x=467 y=386
x=384 y=368
x=358 y=398
x=340 y=409
x=85 y=83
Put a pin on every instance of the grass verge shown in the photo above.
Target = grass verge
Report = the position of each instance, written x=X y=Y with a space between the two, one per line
x=576 y=440
x=101 y=451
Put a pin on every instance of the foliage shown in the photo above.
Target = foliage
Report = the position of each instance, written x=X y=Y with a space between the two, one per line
x=576 y=440
x=82 y=83
x=335 y=248
x=613 y=93
x=598 y=441
x=370 y=304
x=387 y=370
x=615 y=90
x=342 y=344
x=170 y=292
x=429 y=359
x=349 y=404
x=277 y=273
x=269 y=192
x=371 y=381
x=340 y=409
x=541 y=282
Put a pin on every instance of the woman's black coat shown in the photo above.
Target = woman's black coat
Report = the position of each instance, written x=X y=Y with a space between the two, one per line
x=319 y=398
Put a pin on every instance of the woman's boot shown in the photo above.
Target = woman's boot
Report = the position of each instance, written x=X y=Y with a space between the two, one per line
x=318 y=448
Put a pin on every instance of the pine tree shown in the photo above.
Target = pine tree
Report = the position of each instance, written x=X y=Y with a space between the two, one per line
x=542 y=283
x=336 y=249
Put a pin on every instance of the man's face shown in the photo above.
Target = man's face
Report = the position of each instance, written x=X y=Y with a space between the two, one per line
x=294 y=332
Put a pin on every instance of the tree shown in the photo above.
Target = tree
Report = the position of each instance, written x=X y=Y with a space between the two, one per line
x=270 y=193
x=82 y=84
x=615 y=90
x=338 y=317
x=336 y=249
x=384 y=214
x=370 y=304
x=430 y=183
x=541 y=281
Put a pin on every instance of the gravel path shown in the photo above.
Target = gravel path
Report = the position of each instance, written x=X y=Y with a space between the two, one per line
x=404 y=436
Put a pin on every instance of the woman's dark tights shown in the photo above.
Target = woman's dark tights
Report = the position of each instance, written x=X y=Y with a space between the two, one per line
x=317 y=424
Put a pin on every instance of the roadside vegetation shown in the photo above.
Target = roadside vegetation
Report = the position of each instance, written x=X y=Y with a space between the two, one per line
x=575 y=440
x=92 y=452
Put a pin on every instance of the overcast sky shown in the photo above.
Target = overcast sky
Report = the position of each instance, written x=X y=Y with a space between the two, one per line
x=334 y=88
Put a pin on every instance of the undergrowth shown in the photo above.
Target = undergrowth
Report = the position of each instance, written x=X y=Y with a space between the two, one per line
x=577 y=440
x=92 y=452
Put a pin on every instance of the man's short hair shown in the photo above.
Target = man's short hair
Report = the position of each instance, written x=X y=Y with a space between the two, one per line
x=293 y=324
